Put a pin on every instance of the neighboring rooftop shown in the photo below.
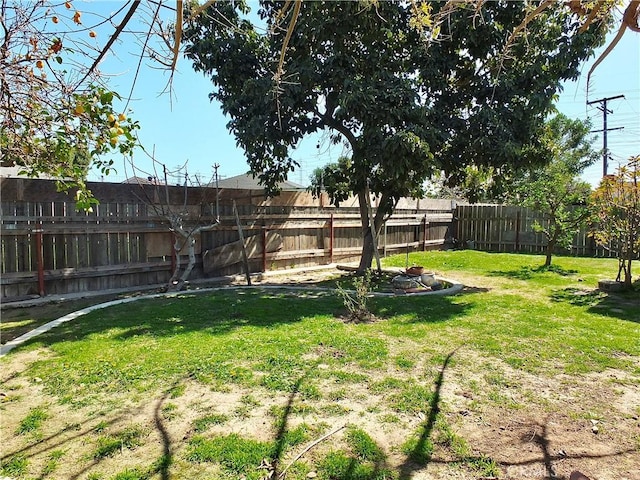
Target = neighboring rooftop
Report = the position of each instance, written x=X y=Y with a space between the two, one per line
x=247 y=182
x=142 y=181
x=13 y=172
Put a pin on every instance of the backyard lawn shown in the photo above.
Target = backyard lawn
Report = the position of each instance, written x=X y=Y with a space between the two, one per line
x=529 y=373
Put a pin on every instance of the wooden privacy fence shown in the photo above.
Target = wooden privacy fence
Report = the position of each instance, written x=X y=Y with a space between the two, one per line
x=503 y=228
x=321 y=237
x=47 y=247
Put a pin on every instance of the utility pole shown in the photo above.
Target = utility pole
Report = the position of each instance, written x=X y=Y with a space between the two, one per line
x=215 y=169
x=605 y=110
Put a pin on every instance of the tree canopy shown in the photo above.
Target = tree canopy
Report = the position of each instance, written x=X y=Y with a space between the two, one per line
x=555 y=190
x=44 y=40
x=58 y=116
x=407 y=100
x=617 y=214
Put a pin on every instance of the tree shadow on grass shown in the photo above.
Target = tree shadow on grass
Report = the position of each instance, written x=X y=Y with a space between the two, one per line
x=527 y=272
x=222 y=312
x=625 y=305
x=548 y=461
x=469 y=289
x=62 y=439
x=167 y=455
x=280 y=441
x=215 y=313
x=420 y=454
x=420 y=308
x=338 y=465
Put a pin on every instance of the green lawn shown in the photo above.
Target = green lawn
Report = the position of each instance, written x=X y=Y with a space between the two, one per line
x=243 y=380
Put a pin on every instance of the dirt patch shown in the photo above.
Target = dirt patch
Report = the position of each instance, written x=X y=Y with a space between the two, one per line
x=547 y=438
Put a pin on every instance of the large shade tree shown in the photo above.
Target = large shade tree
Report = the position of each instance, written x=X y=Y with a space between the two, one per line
x=406 y=99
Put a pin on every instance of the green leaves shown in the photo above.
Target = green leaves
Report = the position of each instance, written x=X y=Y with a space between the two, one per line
x=617 y=212
x=66 y=140
x=404 y=105
x=555 y=189
x=370 y=75
x=106 y=97
x=54 y=124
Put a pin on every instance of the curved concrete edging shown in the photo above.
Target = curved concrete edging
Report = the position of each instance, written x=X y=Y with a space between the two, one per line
x=7 y=347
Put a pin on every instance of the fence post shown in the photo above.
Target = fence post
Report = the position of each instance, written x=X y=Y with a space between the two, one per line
x=331 y=233
x=40 y=260
x=517 y=231
x=245 y=259
x=424 y=233
x=264 y=248
x=384 y=252
x=457 y=225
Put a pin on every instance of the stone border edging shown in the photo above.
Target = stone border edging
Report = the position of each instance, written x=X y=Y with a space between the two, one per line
x=7 y=347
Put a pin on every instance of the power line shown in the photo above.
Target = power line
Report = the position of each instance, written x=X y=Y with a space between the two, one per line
x=605 y=110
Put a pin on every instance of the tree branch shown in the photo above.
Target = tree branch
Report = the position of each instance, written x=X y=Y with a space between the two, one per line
x=631 y=14
x=331 y=122
x=284 y=471
x=112 y=40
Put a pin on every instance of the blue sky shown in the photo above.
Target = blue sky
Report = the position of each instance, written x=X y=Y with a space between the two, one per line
x=618 y=74
x=187 y=128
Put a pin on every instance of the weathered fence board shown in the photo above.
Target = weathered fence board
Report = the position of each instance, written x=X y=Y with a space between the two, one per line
x=124 y=242
x=231 y=253
x=502 y=228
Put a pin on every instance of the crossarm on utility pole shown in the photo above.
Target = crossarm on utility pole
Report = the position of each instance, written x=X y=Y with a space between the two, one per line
x=605 y=110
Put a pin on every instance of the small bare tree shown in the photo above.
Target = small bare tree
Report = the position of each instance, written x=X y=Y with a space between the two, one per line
x=187 y=220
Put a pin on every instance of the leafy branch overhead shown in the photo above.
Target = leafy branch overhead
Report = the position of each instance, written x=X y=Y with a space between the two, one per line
x=59 y=118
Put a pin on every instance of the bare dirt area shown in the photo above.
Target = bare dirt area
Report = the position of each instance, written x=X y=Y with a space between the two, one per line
x=533 y=427
x=565 y=429
x=560 y=424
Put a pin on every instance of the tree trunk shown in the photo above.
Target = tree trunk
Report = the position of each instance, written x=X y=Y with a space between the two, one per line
x=551 y=244
x=367 y=252
x=176 y=254
x=628 y=277
x=367 y=239
x=631 y=243
x=176 y=284
x=553 y=234
x=547 y=260
x=368 y=244
x=192 y=261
